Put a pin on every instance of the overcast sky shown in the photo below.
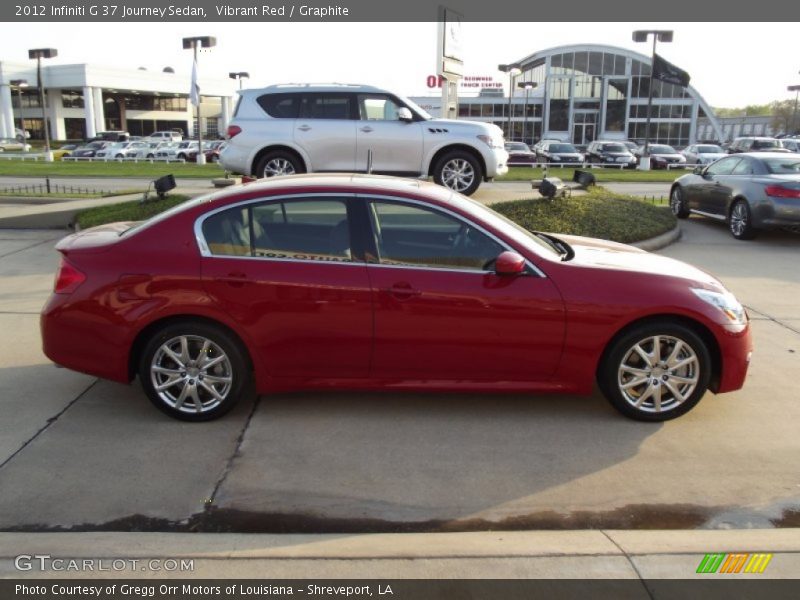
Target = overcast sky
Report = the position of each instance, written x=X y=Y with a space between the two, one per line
x=400 y=55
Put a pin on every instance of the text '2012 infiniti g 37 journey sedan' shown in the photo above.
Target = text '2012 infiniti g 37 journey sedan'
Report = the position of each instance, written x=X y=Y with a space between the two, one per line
x=368 y=282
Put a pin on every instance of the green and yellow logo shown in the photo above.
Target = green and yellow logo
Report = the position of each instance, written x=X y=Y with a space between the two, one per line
x=734 y=563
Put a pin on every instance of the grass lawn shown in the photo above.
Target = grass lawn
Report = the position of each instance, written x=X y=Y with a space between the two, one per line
x=127 y=211
x=602 y=175
x=109 y=169
x=598 y=214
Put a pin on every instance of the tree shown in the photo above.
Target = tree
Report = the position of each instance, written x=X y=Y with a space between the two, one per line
x=782 y=113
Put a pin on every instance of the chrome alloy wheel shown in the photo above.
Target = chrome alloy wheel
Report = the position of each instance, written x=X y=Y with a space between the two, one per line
x=739 y=219
x=676 y=201
x=278 y=166
x=458 y=174
x=658 y=373
x=192 y=374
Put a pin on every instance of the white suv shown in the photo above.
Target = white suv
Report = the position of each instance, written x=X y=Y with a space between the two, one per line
x=286 y=129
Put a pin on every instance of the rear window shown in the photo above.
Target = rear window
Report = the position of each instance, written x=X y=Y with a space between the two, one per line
x=789 y=165
x=280 y=106
x=327 y=106
x=613 y=148
x=567 y=148
x=761 y=144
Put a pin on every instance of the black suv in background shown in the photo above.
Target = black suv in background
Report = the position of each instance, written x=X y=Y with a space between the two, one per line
x=755 y=144
x=610 y=153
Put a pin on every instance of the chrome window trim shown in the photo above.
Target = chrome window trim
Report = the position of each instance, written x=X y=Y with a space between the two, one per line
x=206 y=253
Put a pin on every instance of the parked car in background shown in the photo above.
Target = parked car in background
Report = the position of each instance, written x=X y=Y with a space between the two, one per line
x=755 y=144
x=165 y=136
x=167 y=150
x=605 y=152
x=110 y=136
x=89 y=150
x=287 y=129
x=519 y=153
x=13 y=144
x=355 y=281
x=211 y=150
x=21 y=135
x=750 y=191
x=703 y=154
x=791 y=144
x=122 y=150
x=67 y=149
x=661 y=156
x=558 y=152
x=148 y=150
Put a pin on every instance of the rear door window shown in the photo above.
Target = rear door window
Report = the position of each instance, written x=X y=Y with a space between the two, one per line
x=327 y=106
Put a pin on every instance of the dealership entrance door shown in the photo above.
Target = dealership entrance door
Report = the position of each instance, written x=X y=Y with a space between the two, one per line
x=584 y=127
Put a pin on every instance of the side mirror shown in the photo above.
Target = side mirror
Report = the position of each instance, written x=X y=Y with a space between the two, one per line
x=699 y=170
x=404 y=114
x=509 y=263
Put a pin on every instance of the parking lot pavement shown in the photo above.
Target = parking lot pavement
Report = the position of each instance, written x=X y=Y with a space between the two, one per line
x=83 y=454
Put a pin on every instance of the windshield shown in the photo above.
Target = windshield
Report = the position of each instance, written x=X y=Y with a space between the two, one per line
x=661 y=149
x=518 y=147
x=788 y=165
x=761 y=144
x=563 y=148
x=710 y=149
x=415 y=108
x=614 y=148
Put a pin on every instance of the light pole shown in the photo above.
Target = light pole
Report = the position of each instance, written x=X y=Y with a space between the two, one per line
x=662 y=35
x=194 y=43
x=512 y=70
x=796 y=90
x=19 y=84
x=39 y=54
x=239 y=76
x=527 y=86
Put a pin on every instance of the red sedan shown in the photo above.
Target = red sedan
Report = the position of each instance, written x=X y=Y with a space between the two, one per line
x=363 y=282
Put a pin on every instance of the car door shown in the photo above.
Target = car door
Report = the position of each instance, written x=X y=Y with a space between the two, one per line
x=728 y=184
x=396 y=145
x=705 y=189
x=286 y=271
x=441 y=313
x=326 y=130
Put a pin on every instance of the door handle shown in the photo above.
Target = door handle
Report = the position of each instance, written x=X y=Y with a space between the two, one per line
x=402 y=291
x=304 y=128
x=235 y=279
x=367 y=129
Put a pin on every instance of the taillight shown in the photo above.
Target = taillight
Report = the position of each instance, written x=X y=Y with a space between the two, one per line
x=778 y=191
x=233 y=131
x=68 y=278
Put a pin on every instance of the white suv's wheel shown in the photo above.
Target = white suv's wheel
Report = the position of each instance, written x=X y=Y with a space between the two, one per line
x=459 y=171
x=274 y=164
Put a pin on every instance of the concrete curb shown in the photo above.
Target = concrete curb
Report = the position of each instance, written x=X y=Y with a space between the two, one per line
x=659 y=241
x=551 y=554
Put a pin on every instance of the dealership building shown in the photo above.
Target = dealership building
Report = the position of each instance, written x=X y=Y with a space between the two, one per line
x=583 y=92
x=586 y=92
x=83 y=99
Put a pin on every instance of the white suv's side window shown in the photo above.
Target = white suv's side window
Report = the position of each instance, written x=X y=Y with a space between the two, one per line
x=377 y=108
x=326 y=106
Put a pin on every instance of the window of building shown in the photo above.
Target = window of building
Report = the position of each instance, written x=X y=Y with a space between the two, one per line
x=559 y=115
x=75 y=129
x=71 y=99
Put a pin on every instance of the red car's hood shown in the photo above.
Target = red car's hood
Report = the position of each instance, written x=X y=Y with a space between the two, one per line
x=590 y=252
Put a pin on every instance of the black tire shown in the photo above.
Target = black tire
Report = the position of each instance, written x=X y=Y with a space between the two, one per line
x=120 y=156
x=197 y=402
x=181 y=156
x=657 y=381
x=677 y=202
x=740 y=221
x=447 y=168
x=213 y=159
x=151 y=155
x=278 y=162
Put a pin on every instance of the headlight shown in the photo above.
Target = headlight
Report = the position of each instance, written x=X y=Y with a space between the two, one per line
x=726 y=302
x=492 y=142
x=555 y=157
